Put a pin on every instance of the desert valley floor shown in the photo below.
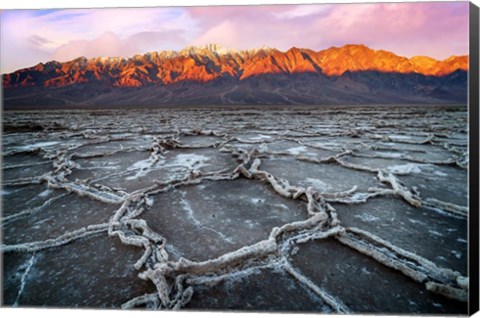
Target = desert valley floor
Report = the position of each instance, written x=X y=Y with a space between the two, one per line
x=304 y=209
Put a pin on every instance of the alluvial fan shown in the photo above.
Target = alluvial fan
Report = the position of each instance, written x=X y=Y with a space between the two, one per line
x=318 y=209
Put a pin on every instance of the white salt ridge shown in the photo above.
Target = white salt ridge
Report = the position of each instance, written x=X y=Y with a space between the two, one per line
x=38 y=145
x=231 y=278
x=189 y=160
x=359 y=197
x=263 y=148
x=23 y=280
x=103 y=167
x=281 y=206
x=392 y=144
x=256 y=200
x=329 y=145
x=318 y=184
x=441 y=258
x=297 y=150
x=125 y=136
x=250 y=224
x=142 y=167
x=182 y=163
x=423 y=168
x=405 y=169
x=259 y=137
x=399 y=137
x=365 y=217
x=435 y=233
x=389 y=154
x=415 y=221
x=442 y=212
x=457 y=254
x=45 y=193
x=188 y=208
x=142 y=164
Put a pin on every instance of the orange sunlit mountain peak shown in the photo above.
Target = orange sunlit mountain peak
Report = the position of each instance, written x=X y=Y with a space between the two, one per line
x=210 y=62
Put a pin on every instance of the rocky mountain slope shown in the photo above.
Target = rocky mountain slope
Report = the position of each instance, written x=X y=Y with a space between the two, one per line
x=212 y=74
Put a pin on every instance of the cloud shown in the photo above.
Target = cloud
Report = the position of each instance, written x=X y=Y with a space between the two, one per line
x=437 y=29
x=157 y=41
x=244 y=27
x=303 y=11
x=66 y=34
x=433 y=29
x=38 y=40
x=110 y=45
x=106 y=45
x=224 y=34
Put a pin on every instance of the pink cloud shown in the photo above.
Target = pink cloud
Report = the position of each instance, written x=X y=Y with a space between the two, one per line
x=224 y=34
x=212 y=15
x=106 y=45
x=433 y=29
x=436 y=29
x=245 y=27
x=109 y=44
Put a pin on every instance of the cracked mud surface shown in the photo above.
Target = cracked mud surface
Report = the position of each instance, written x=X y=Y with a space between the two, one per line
x=332 y=210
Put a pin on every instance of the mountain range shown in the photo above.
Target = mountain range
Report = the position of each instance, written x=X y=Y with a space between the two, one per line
x=211 y=74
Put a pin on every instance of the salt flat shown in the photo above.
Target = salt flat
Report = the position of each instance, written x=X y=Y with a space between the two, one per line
x=315 y=209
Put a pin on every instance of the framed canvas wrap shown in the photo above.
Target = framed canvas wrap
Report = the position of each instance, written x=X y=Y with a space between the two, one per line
x=275 y=157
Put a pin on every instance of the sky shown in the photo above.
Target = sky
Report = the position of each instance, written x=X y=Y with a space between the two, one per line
x=435 y=29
